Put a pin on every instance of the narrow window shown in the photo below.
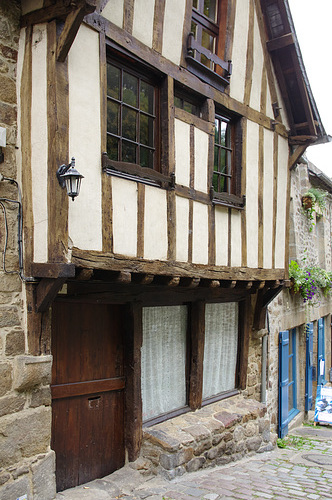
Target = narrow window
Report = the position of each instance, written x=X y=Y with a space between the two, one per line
x=132 y=117
x=223 y=179
x=220 y=348
x=164 y=354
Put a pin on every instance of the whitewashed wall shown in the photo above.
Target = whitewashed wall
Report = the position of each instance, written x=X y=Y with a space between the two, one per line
x=85 y=228
x=252 y=193
x=39 y=143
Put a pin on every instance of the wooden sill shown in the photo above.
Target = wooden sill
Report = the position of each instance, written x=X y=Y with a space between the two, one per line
x=228 y=200
x=206 y=74
x=134 y=172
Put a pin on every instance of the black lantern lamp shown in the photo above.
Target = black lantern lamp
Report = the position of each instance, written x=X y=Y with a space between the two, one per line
x=70 y=178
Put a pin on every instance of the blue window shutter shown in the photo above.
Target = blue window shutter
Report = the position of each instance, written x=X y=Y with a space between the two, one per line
x=283 y=382
x=309 y=364
x=320 y=350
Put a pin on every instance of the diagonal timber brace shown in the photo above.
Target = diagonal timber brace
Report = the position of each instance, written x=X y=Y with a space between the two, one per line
x=70 y=29
x=72 y=11
x=46 y=292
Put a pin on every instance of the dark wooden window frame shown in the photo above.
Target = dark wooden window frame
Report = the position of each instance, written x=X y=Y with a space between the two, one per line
x=184 y=97
x=159 y=175
x=217 y=76
x=152 y=115
x=195 y=358
x=233 y=197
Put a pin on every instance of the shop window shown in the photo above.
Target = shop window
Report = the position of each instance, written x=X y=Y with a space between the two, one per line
x=164 y=360
x=166 y=369
x=220 y=348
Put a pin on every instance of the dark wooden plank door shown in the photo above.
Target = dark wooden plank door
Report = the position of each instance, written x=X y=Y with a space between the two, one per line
x=87 y=391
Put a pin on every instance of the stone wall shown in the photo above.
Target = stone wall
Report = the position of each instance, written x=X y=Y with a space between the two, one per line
x=26 y=461
x=214 y=435
x=288 y=311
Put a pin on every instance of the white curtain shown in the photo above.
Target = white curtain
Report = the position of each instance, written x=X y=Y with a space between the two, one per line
x=163 y=359
x=220 y=348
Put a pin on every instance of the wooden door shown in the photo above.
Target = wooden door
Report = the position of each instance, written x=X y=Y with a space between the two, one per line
x=87 y=391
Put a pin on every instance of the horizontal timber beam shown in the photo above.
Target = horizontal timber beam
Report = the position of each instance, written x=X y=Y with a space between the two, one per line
x=52 y=270
x=109 y=262
x=280 y=42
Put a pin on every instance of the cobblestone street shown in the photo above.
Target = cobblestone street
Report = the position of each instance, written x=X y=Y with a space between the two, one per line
x=301 y=470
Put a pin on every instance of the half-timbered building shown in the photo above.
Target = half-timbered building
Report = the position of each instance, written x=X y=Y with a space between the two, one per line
x=147 y=293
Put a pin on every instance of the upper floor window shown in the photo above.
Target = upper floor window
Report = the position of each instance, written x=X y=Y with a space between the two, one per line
x=132 y=117
x=223 y=179
x=205 y=51
x=205 y=28
x=227 y=161
x=188 y=101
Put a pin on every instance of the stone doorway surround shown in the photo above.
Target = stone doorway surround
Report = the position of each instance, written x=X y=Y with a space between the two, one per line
x=216 y=434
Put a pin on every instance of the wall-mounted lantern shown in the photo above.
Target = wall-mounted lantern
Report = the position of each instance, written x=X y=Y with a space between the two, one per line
x=70 y=179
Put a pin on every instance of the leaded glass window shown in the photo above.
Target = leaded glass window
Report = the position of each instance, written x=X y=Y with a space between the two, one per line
x=132 y=126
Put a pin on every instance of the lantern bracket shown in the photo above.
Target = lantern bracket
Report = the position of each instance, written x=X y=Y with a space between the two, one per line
x=60 y=172
x=69 y=178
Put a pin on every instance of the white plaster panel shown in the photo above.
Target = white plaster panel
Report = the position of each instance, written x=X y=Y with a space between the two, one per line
x=252 y=193
x=201 y=160
x=269 y=109
x=221 y=224
x=182 y=153
x=255 y=96
x=155 y=224
x=239 y=53
x=124 y=202
x=143 y=21
x=39 y=142
x=84 y=224
x=182 y=228
x=113 y=11
x=236 y=239
x=173 y=30
x=281 y=202
x=268 y=199
x=200 y=233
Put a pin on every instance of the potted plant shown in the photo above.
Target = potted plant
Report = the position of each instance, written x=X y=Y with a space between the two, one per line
x=313 y=201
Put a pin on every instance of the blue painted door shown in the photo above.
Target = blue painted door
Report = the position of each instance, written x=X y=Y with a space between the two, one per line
x=320 y=352
x=309 y=365
x=283 y=383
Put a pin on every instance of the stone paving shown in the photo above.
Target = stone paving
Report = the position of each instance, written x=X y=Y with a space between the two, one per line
x=302 y=470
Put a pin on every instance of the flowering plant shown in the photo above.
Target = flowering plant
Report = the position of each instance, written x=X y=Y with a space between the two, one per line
x=310 y=282
x=312 y=199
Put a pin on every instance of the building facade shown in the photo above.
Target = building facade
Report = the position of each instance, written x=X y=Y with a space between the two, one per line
x=306 y=324
x=144 y=299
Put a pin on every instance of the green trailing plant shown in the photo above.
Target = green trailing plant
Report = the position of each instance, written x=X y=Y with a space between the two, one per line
x=311 y=282
x=295 y=442
x=312 y=199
